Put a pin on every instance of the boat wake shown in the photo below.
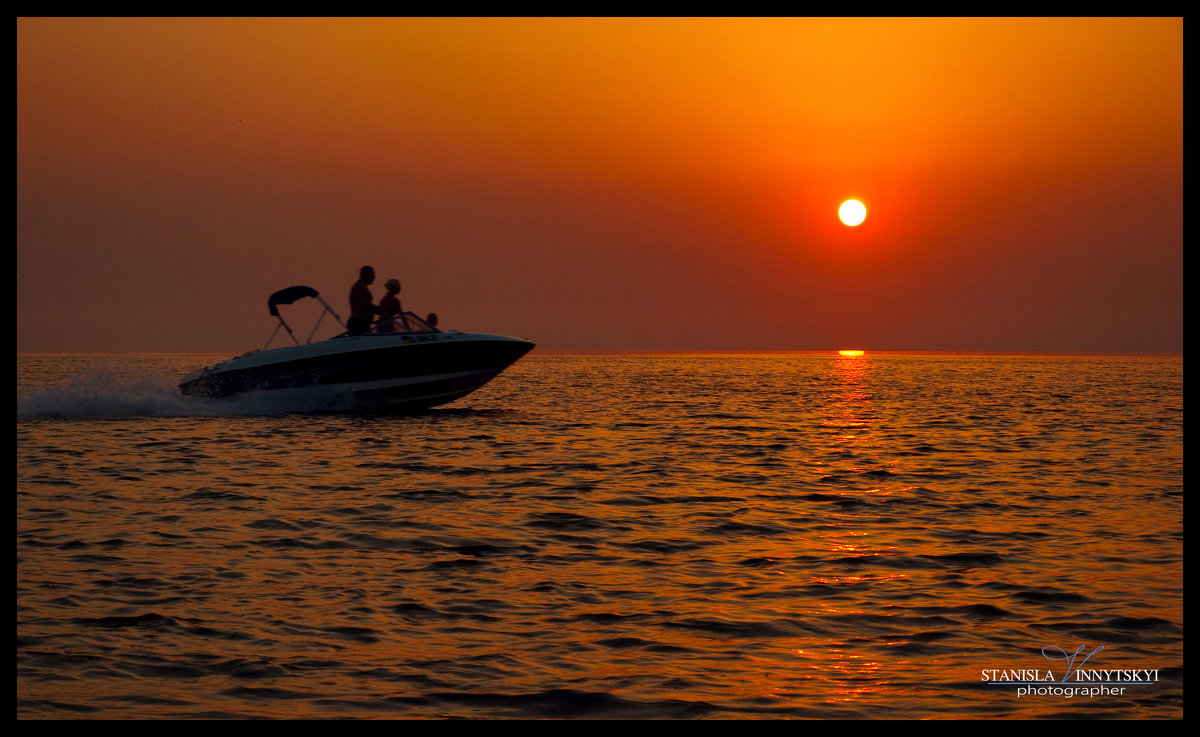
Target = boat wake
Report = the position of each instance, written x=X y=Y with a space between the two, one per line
x=101 y=394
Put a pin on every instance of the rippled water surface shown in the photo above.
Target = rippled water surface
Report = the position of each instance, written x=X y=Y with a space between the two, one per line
x=754 y=536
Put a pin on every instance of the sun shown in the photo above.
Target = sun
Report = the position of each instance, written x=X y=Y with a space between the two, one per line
x=852 y=212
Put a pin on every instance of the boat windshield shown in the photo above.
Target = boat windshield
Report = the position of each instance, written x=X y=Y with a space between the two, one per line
x=405 y=322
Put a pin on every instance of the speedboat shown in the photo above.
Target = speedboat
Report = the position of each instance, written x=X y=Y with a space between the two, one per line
x=401 y=364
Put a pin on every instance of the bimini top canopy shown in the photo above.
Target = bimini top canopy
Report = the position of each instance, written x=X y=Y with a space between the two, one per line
x=288 y=296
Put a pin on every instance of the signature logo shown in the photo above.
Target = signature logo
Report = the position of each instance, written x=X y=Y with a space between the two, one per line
x=1066 y=675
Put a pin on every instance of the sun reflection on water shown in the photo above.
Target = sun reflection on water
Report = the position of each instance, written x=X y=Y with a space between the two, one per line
x=850 y=414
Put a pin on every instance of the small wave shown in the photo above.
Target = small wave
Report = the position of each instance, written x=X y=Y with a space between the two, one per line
x=53 y=707
x=664 y=547
x=625 y=643
x=560 y=703
x=222 y=495
x=265 y=693
x=731 y=528
x=1051 y=597
x=416 y=610
x=149 y=620
x=450 y=566
x=973 y=611
x=753 y=630
x=565 y=521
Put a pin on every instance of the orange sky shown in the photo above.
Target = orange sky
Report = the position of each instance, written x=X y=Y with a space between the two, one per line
x=606 y=184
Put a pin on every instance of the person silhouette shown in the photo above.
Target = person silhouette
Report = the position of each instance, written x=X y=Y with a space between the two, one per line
x=362 y=305
x=389 y=306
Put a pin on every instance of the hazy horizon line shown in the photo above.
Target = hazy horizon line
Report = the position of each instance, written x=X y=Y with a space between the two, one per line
x=686 y=352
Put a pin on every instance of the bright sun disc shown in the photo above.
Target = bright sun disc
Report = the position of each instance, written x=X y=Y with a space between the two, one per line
x=850 y=353
x=852 y=212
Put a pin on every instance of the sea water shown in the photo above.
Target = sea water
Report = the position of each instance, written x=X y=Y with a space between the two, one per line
x=738 y=536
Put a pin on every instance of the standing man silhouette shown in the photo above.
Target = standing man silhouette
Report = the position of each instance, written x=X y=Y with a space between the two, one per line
x=362 y=306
